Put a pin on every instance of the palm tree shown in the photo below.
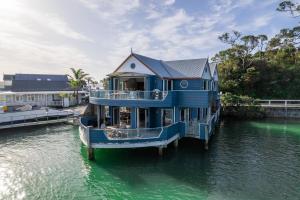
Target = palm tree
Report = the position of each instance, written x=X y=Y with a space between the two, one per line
x=77 y=80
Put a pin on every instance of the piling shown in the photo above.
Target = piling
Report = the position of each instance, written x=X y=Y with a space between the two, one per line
x=176 y=143
x=206 y=145
x=91 y=154
x=160 y=151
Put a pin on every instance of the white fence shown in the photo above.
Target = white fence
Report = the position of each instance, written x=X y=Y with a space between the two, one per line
x=279 y=103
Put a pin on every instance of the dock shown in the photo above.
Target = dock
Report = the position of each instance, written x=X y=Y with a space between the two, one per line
x=33 y=118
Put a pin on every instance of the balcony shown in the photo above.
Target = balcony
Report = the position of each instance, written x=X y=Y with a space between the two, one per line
x=153 y=98
x=128 y=138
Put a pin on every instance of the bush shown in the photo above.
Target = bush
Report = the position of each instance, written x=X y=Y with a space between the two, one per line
x=240 y=107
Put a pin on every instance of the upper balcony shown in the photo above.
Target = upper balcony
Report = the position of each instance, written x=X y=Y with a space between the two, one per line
x=154 y=98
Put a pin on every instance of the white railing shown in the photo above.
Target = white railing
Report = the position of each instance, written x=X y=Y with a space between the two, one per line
x=140 y=133
x=279 y=103
x=55 y=103
x=128 y=95
x=6 y=118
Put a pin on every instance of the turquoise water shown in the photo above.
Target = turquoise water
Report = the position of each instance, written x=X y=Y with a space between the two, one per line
x=246 y=160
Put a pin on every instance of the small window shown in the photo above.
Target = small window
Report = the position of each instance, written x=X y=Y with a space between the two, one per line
x=48 y=79
x=184 y=84
x=132 y=65
x=38 y=79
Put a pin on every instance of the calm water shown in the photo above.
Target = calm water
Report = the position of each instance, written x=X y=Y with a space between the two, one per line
x=246 y=160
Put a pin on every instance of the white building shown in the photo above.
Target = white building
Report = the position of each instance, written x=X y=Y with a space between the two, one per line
x=38 y=90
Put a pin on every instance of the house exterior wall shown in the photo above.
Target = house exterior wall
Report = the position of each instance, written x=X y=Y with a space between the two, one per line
x=139 y=67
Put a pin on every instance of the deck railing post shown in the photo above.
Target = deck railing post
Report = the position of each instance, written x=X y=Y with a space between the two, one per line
x=285 y=103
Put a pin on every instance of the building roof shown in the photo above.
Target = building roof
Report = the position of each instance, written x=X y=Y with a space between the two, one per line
x=157 y=66
x=213 y=67
x=190 y=68
x=43 y=77
x=39 y=82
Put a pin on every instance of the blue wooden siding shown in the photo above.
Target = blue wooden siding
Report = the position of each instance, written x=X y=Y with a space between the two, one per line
x=193 y=99
x=194 y=84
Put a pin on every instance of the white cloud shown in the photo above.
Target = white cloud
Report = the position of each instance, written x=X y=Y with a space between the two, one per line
x=111 y=9
x=34 y=39
x=18 y=17
x=61 y=27
x=262 y=21
x=169 y=2
x=168 y=27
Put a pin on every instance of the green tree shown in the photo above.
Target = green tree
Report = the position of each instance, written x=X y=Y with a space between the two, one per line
x=77 y=79
x=289 y=6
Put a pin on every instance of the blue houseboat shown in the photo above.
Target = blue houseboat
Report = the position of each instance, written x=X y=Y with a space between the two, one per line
x=152 y=103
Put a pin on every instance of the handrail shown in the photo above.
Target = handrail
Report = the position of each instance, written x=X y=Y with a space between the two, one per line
x=129 y=95
x=278 y=103
x=160 y=133
x=129 y=134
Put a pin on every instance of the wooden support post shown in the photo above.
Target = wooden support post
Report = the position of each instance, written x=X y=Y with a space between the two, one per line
x=176 y=143
x=206 y=138
x=90 y=150
x=91 y=155
x=206 y=145
x=160 y=151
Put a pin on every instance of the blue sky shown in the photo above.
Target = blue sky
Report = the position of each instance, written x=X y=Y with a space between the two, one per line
x=50 y=36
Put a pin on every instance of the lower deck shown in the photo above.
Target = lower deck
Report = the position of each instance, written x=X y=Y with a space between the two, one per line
x=119 y=127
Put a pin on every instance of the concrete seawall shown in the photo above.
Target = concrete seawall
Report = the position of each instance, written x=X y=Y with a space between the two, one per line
x=279 y=112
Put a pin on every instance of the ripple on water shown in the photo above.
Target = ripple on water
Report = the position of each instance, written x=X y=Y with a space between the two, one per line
x=246 y=160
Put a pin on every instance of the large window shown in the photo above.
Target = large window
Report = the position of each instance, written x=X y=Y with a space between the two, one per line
x=167 y=117
x=206 y=85
x=18 y=98
x=167 y=85
x=125 y=117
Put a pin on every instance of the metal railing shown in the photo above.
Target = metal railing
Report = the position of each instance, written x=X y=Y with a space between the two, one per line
x=140 y=133
x=89 y=135
x=128 y=95
x=279 y=103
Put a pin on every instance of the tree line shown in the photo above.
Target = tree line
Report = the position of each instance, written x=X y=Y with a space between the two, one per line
x=256 y=66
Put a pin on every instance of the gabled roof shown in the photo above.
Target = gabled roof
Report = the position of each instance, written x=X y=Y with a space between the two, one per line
x=156 y=66
x=177 y=69
x=192 y=68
